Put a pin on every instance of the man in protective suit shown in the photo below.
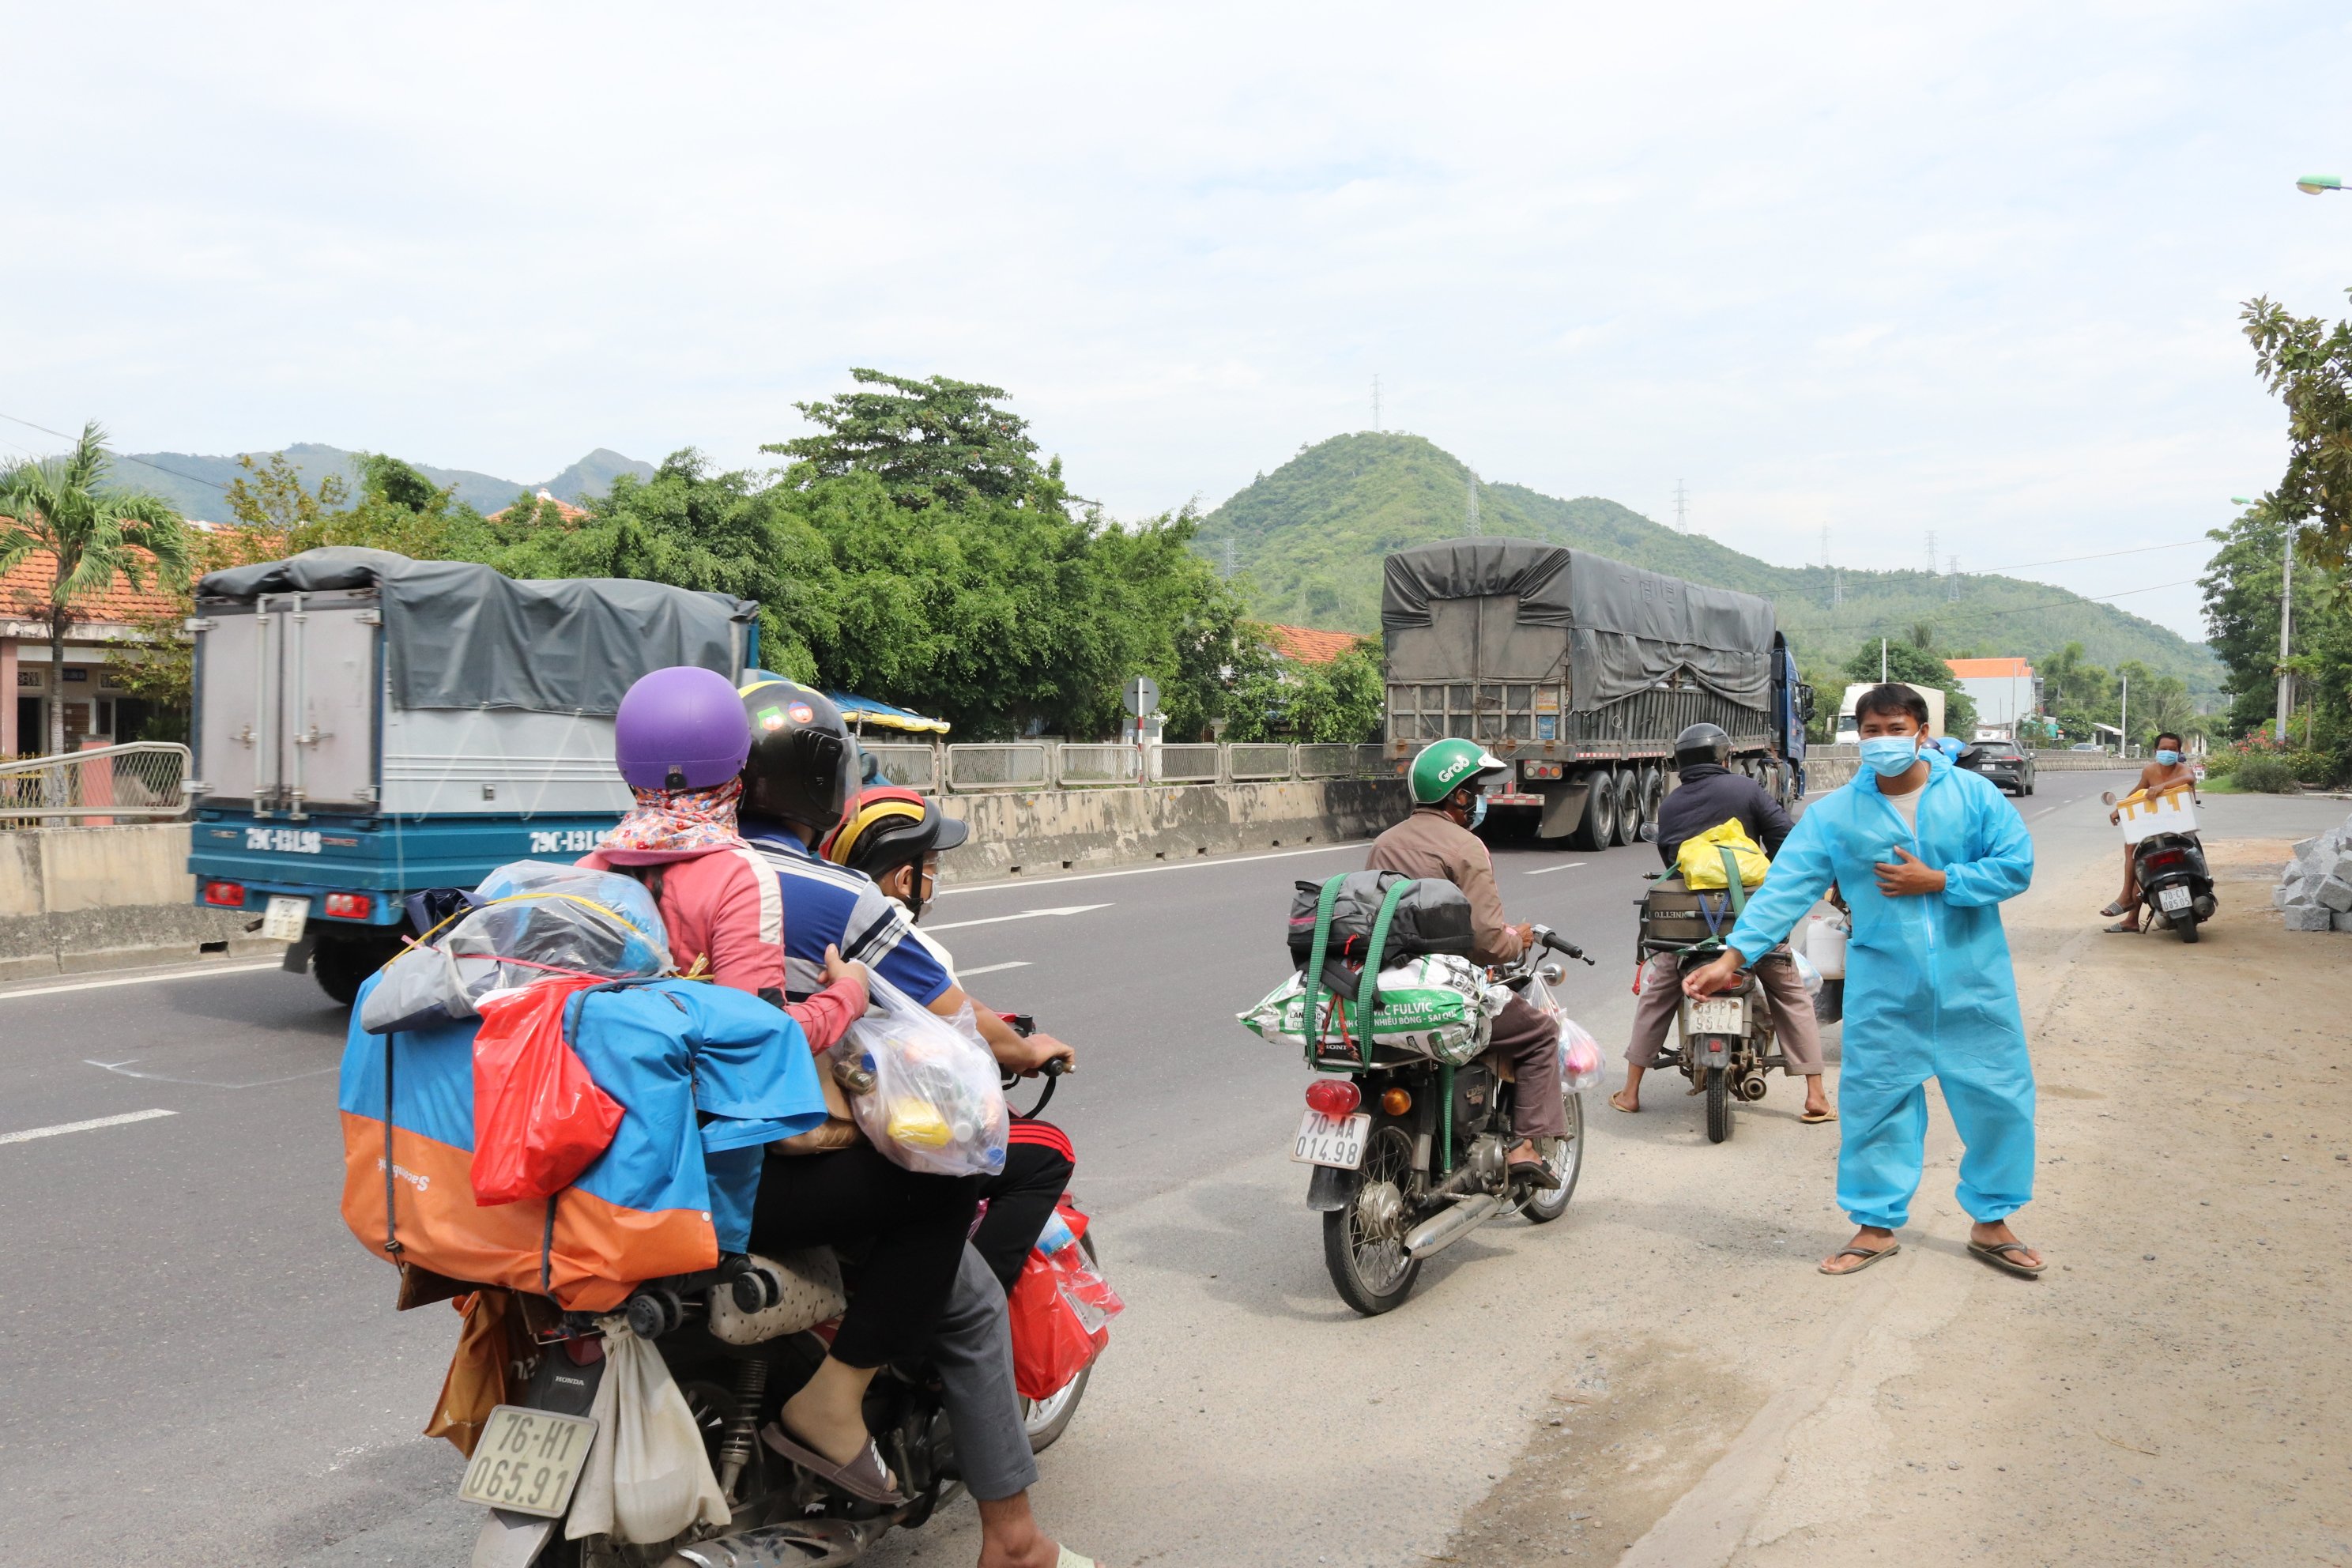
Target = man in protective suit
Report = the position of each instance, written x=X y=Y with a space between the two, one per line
x=1924 y=853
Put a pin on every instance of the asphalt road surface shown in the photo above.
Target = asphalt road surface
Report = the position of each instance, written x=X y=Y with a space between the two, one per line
x=201 y=1366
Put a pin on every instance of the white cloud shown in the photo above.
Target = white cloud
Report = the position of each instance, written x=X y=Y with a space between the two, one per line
x=1974 y=271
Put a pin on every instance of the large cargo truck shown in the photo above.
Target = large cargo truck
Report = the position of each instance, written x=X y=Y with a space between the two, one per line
x=367 y=727
x=1581 y=671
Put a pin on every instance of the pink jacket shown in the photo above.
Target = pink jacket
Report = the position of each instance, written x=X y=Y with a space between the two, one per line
x=724 y=909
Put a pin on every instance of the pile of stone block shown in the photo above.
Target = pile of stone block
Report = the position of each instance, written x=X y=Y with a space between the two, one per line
x=2315 y=892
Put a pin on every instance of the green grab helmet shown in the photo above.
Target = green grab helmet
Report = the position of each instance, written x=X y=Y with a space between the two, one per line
x=1442 y=768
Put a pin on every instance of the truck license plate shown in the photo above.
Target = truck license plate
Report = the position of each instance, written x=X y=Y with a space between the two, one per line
x=1717 y=1015
x=285 y=919
x=2170 y=898
x=1337 y=1140
x=528 y=1461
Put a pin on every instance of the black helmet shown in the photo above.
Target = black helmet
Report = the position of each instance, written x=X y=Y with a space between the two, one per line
x=1699 y=744
x=891 y=827
x=804 y=762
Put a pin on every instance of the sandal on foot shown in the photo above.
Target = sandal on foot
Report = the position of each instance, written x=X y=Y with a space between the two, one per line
x=2120 y=929
x=864 y=1477
x=1815 y=1117
x=1991 y=1252
x=2117 y=907
x=1069 y=1559
x=1628 y=1110
x=1869 y=1254
x=1535 y=1174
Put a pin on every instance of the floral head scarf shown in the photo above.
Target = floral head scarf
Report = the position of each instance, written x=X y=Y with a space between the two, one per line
x=675 y=821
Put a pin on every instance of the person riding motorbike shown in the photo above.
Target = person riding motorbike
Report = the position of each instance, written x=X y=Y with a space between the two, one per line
x=2169 y=769
x=680 y=739
x=1449 y=782
x=798 y=781
x=895 y=836
x=1707 y=794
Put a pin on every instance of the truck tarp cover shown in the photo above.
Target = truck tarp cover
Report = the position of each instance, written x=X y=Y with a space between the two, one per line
x=1627 y=629
x=458 y=635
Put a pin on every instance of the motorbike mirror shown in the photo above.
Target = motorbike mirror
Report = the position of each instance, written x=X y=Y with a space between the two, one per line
x=1649 y=833
x=2108 y=798
x=1553 y=972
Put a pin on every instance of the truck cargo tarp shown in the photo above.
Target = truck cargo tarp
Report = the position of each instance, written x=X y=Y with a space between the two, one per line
x=1627 y=628
x=458 y=635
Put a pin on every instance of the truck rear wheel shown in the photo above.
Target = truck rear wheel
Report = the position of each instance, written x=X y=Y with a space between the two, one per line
x=1629 y=812
x=1599 y=830
x=342 y=961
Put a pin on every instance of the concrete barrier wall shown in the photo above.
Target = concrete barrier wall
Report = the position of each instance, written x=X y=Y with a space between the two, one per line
x=74 y=898
x=1045 y=832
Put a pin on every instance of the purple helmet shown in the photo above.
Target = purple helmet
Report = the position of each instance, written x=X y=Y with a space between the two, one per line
x=682 y=728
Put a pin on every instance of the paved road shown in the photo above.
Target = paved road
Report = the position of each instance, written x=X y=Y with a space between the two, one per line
x=202 y=1367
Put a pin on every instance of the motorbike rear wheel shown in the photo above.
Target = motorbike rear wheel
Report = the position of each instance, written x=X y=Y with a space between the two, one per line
x=1567 y=1162
x=1719 y=1105
x=2185 y=923
x=1363 y=1242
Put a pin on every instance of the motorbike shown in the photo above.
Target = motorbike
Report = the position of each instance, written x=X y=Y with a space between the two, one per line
x=782 y=1517
x=2176 y=888
x=1409 y=1152
x=1725 y=1045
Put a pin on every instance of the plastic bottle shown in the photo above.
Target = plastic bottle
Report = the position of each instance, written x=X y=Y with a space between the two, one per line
x=1056 y=1234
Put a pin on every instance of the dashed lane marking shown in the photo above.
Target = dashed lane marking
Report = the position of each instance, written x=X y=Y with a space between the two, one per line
x=1024 y=915
x=1204 y=863
x=993 y=968
x=63 y=1128
x=1546 y=870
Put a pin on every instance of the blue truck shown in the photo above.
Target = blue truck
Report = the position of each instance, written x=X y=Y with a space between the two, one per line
x=1579 y=671
x=367 y=727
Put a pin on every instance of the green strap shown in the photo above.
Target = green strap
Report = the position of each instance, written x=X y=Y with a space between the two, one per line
x=1731 y=882
x=1368 y=992
x=1308 y=1027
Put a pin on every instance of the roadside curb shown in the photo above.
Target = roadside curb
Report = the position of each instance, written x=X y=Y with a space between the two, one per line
x=160 y=956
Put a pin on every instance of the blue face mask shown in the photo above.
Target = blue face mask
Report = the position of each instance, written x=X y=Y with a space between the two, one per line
x=1887 y=755
x=2168 y=757
x=1477 y=812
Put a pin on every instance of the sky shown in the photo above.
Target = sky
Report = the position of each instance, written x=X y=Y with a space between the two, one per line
x=1878 y=270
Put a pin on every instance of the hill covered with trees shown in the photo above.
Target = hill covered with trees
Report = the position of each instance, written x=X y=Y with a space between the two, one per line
x=1308 y=540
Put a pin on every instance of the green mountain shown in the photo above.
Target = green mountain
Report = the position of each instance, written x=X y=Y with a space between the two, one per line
x=195 y=483
x=1309 y=537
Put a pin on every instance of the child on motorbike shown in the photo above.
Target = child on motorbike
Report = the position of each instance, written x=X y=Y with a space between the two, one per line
x=895 y=836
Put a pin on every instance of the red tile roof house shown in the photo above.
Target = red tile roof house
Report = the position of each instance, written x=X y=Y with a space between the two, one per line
x=94 y=710
x=1304 y=645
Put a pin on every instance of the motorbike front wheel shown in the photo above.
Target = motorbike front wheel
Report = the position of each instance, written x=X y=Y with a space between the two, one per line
x=1364 y=1244
x=1719 y=1105
x=1567 y=1162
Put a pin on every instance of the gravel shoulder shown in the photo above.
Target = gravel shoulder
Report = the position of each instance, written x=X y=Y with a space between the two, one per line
x=2161 y=1394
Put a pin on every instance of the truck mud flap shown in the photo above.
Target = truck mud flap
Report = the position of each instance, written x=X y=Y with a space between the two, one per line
x=298 y=953
x=1563 y=809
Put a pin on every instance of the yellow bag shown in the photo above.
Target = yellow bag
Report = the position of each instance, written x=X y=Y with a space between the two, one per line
x=1701 y=866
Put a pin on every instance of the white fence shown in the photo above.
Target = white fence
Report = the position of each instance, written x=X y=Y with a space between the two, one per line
x=144 y=781
x=1075 y=764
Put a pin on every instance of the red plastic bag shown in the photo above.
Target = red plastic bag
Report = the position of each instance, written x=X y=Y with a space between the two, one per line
x=1061 y=1311
x=538 y=1118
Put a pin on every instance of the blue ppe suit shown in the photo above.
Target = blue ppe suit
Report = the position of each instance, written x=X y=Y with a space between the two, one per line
x=1929 y=990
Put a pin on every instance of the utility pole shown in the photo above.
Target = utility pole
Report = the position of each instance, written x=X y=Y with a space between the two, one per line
x=1376 y=401
x=2286 y=627
x=1952 y=580
x=1882 y=661
x=1470 y=508
x=2123 y=721
x=1931 y=552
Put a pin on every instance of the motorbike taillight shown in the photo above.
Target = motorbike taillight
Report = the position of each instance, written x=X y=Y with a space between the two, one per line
x=1334 y=1096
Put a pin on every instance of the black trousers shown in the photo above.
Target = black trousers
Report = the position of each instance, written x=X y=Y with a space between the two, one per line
x=1021 y=1199
x=911 y=1228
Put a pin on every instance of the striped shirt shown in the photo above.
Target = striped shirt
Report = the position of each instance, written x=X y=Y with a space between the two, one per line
x=829 y=905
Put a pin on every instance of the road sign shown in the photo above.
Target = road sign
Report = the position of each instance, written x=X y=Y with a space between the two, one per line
x=1141 y=695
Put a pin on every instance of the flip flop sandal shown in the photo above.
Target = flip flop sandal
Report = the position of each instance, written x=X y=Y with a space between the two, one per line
x=2119 y=929
x=1992 y=1253
x=2111 y=910
x=865 y=1476
x=1815 y=1117
x=1869 y=1254
x=1535 y=1174
x=1069 y=1559
x=1628 y=1110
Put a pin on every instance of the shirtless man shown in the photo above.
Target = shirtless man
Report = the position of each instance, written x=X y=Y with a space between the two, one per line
x=2170 y=767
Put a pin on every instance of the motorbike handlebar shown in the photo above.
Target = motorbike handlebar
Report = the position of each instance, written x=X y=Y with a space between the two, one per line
x=1551 y=938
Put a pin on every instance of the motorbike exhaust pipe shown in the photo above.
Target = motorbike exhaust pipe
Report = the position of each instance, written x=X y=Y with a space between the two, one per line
x=1442 y=1231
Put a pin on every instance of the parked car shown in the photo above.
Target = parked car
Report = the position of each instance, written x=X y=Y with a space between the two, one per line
x=2004 y=763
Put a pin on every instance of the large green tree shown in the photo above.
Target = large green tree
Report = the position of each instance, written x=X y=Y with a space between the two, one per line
x=2307 y=363
x=92 y=532
x=930 y=441
x=1276 y=698
x=1914 y=665
x=2242 y=613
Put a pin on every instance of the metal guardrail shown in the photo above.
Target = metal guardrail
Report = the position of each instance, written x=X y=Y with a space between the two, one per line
x=1009 y=764
x=1323 y=760
x=1083 y=764
x=910 y=767
x=1202 y=764
x=1253 y=762
x=145 y=780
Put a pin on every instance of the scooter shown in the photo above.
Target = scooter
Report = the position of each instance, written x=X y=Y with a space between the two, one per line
x=2176 y=888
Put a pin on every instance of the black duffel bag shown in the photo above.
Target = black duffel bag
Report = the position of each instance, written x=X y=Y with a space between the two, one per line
x=1433 y=917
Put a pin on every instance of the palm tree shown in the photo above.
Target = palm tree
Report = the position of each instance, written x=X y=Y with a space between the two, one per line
x=92 y=532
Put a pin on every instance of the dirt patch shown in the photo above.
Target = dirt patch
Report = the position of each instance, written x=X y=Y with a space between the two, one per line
x=1636 y=1424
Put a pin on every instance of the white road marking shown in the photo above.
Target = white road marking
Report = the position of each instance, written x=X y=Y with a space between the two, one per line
x=993 y=968
x=207 y=971
x=64 y=1127
x=1546 y=870
x=1024 y=915
x=1145 y=871
x=123 y=1068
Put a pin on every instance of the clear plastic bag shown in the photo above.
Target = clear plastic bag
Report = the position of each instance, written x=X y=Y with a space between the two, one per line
x=936 y=1104
x=1579 y=1057
x=536 y=919
x=1807 y=973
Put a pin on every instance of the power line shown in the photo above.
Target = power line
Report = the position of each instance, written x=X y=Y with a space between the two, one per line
x=2027 y=609
x=191 y=479
x=2102 y=556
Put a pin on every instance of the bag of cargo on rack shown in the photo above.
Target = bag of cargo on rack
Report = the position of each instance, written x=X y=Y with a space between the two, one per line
x=1431 y=1006
x=1431 y=916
